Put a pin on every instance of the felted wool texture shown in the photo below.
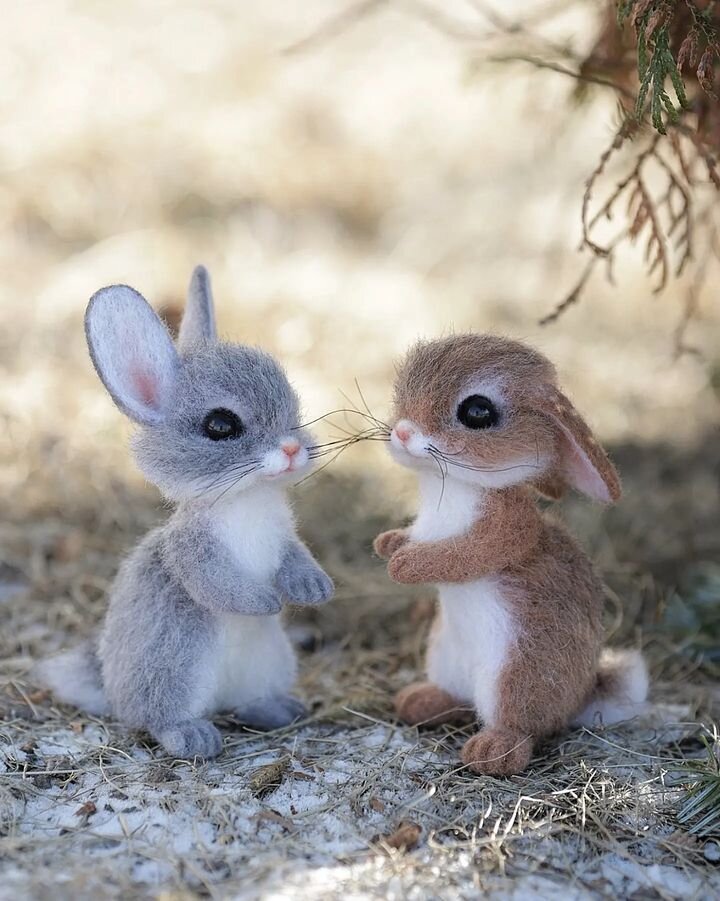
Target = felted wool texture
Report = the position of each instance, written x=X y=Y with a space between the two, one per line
x=546 y=427
x=497 y=752
x=599 y=479
x=192 y=626
x=621 y=690
x=549 y=593
x=198 y=323
x=387 y=543
x=176 y=456
x=504 y=534
x=425 y=704
x=132 y=352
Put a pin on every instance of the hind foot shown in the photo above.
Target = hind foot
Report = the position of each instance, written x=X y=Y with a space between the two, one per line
x=497 y=752
x=193 y=738
x=273 y=713
x=427 y=704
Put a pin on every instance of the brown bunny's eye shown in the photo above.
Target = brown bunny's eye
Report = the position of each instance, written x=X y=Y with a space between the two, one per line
x=478 y=412
x=219 y=425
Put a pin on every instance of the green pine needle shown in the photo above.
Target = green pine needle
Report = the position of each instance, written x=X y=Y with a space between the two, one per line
x=700 y=810
x=656 y=63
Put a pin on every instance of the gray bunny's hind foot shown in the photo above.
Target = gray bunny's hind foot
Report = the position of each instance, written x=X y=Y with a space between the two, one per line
x=273 y=713
x=193 y=738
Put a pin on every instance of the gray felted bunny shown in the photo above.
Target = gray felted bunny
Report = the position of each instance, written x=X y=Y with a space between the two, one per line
x=193 y=624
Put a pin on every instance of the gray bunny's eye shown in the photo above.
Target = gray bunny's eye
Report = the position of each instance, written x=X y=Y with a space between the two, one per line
x=221 y=424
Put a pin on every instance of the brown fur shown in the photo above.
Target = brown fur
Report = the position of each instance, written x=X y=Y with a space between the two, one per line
x=545 y=424
x=546 y=580
x=387 y=543
x=482 y=551
x=551 y=486
x=423 y=703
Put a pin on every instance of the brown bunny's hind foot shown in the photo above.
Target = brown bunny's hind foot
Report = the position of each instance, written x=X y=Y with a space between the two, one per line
x=497 y=752
x=423 y=703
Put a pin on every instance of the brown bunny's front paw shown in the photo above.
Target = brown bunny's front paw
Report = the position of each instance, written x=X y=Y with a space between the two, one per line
x=387 y=543
x=497 y=752
x=427 y=704
x=408 y=566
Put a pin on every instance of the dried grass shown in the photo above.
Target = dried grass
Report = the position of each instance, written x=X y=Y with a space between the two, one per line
x=316 y=810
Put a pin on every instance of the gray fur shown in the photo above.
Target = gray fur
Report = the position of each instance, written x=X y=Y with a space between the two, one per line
x=206 y=571
x=194 y=738
x=300 y=578
x=198 y=323
x=152 y=642
x=132 y=352
x=177 y=457
x=273 y=713
x=191 y=626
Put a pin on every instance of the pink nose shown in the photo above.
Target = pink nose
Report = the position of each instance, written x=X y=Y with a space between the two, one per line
x=404 y=433
x=291 y=448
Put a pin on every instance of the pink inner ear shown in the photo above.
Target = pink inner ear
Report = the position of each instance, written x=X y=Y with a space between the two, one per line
x=145 y=388
x=580 y=471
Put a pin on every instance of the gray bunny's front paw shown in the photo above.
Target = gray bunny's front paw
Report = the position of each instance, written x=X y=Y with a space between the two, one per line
x=306 y=585
x=259 y=601
x=194 y=738
x=273 y=713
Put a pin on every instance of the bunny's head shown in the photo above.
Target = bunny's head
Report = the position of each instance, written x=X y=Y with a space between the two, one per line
x=487 y=410
x=214 y=417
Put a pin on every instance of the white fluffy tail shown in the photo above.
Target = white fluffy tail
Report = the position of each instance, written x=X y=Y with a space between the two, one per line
x=621 y=690
x=74 y=677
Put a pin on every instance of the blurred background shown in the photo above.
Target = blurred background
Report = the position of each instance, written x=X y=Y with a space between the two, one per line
x=354 y=176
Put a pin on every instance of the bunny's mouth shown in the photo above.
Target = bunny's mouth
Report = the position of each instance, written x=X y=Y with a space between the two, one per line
x=408 y=445
x=288 y=459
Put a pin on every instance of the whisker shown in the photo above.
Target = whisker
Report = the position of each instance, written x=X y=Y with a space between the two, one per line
x=367 y=415
x=443 y=473
x=536 y=465
x=320 y=468
x=357 y=436
x=354 y=411
x=331 y=447
x=365 y=404
x=350 y=434
x=231 y=475
x=233 y=483
x=229 y=471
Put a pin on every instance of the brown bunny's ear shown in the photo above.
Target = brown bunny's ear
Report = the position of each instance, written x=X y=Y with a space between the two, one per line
x=552 y=486
x=583 y=463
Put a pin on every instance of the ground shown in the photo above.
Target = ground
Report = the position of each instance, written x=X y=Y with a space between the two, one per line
x=341 y=216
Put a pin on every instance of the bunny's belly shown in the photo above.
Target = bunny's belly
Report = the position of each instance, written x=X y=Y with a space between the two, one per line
x=252 y=660
x=472 y=641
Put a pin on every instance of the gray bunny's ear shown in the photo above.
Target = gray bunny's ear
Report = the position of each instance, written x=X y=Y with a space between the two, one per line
x=132 y=351
x=198 y=323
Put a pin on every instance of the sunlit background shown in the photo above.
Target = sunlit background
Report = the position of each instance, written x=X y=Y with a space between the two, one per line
x=351 y=186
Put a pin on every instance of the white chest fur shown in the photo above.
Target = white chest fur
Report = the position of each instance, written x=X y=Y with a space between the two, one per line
x=252 y=657
x=476 y=633
x=254 y=526
x=446 y=510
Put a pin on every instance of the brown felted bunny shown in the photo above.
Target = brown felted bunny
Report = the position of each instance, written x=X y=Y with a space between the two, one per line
x=518 y=634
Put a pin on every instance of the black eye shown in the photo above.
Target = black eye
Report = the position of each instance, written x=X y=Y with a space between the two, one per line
x=477 y=412
x=221 y=424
